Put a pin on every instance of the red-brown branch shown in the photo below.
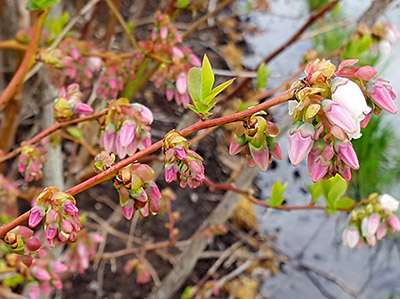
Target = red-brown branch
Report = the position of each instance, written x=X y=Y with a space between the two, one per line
x=27 y=62
x=49 y=131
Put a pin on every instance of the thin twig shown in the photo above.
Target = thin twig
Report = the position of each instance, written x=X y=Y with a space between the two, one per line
x=313 y=17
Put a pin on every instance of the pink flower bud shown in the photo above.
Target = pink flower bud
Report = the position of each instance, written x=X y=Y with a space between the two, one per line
x=366 y=120
x=339 y=116
x=170 y=172
x=261 y=157
x=181 y=83
x=381 y=232
x=40 y=274
x=163 y=32
x=194 y=60
x=70 y=208
x=277 y=152
x=146 y=116
x=36 y=216
x=33 y=244
x=34 y=292
x=94 y=64
x=170 y=93
x=128 y=210
x=176 y=52
x=82 y=108
x=59 y=267
x=235 y=147
x=109 y=138
x=154 y=192
x=373 y=223
x=113 y=82
x=143 y=277
x=25 y=232
x=347 y=154
x=52 y=217
x=180 y=152
x=66 y=226
x=394 y=223
x=328 y=152
x=127 y=132
x=319 y=170
x=383 y=95
x=300 y=142
x=350 y=237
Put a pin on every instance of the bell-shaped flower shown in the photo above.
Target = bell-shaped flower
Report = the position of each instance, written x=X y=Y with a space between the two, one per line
x=300 y=141
x=373 y=223
x=388 y=202
x=383 y=95
x=127 y=132
x=349 y=95
x=394 y=223
x=350 y=237
x=260 y=156
x=339 y=116
x=181 y=83
x=36 y=215
x=320 y=169
x=347 y=154
x=381 y=232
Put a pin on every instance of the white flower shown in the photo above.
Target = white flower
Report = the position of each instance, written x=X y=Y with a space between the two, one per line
x=350 y=237
x=349 y=95
x=388 y=202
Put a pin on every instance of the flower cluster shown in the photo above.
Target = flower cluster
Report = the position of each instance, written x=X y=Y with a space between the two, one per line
x=68 y=65
x=257 y=138
x=116 y=74
x=371 y=223
x=61 y=216
x=386 y=35
x=69 y=103
x=8 y=198
x=45 y=276
x=137 y=190
x=79 y=254
x=22 y=241
x=330 y=109
x=31 y=161
x=164 y=41
x=181 y=163
x=126 y=128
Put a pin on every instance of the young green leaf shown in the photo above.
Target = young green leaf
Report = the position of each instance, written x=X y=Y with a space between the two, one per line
x=344 y=202
x=194 y=84
x=316 y=191
x=40 y=4
x=55 y=26
x=182 y=3
x=207 y=78
x=338 y=188
x=200 y=83
x=276 y=194
x=262 y=76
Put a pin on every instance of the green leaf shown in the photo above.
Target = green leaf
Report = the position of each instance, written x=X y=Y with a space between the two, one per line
x=194 y=84
x=344 y=202
x=330 y=210
x=262 y=76
x=338 y=188
x=75 y=132
x=182 y=3
x=14 y=281
x=187 y=293
x=217 y=90
x=55 y=26
x=40 y=4
x=276 y=194
x=364 y=44
x=316 y=191
x=207 y=78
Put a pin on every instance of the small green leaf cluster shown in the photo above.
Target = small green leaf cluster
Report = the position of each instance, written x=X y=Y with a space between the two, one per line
x=332 y=190
x=200 y=83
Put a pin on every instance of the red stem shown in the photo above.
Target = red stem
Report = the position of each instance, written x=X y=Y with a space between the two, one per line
x=27 y=62
x=49 y=131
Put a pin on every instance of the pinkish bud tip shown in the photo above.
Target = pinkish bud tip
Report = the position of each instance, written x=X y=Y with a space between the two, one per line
x=300 y=142
x=181 y=83
x=36 y=216
x=347 y=154
x=261 y=157
x=82 y=108
x=127 y=132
